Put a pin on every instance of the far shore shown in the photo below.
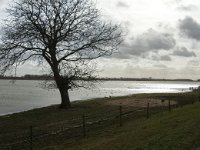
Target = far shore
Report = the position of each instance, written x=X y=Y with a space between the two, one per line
x=45 y=77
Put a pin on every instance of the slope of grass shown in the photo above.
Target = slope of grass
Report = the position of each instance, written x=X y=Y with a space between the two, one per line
x=179 y=129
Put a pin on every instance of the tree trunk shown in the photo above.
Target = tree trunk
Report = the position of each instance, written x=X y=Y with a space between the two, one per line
x=63 y=88
x=65 y=102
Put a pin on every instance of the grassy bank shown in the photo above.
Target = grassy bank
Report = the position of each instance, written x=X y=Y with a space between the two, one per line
x=178 y=130
x=62 y=129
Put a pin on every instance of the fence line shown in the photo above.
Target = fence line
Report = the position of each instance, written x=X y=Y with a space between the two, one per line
x=85 y=124
x=67 y=129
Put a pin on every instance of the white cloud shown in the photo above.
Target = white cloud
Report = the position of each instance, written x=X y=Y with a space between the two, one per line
x=156 y=50
x=187 y=7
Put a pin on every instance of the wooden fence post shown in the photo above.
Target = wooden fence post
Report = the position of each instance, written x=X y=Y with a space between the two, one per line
x=193 y=100
x=31 y=137
x=84 y=126
x=148 y=110
x=169 y=104
x=120 y=116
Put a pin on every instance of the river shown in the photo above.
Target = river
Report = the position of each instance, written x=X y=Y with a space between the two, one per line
x=28 y=94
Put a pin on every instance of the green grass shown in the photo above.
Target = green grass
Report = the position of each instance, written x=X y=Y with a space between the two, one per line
x=178 y=129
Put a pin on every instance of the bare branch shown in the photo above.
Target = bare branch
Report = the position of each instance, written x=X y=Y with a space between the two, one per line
x=67 y=34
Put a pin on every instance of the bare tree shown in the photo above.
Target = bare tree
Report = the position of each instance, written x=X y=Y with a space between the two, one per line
x=67 y=34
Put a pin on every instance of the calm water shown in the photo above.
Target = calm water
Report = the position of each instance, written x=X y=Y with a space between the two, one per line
x=27 y=94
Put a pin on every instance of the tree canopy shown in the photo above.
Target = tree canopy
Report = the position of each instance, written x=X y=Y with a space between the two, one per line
x=67 y=34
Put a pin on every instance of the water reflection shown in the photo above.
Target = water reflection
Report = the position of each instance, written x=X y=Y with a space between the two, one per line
x=24 y=95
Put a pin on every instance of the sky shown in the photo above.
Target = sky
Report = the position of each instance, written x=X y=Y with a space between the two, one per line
x=162 y=39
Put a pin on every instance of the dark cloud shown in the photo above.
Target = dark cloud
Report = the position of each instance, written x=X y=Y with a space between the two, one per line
x=153 y=40
x=122 y=4
x=161 y=58
x=121 y=55
x=165 y=58
x=147 y=42
x=187 y=8
x=160 y=66
x=190 y=28
x=183 y=51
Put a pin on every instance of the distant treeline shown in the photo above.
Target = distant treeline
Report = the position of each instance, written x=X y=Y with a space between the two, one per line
x=47 y=77
x=28 y=77
x=143 y=79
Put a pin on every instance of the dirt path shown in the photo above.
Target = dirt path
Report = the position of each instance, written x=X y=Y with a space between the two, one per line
x=140 y=102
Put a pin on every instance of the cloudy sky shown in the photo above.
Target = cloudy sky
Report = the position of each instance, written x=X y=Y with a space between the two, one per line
x=162 y=39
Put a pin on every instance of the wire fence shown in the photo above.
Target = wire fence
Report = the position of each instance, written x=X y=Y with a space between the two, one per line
x=80 y=127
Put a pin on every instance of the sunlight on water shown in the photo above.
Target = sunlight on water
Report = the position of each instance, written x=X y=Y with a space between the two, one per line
x=24 y=95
